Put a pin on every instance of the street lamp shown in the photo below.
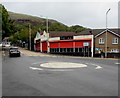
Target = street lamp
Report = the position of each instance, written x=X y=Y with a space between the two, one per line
x=46 y=32
x=47 y=23
x=106 y=34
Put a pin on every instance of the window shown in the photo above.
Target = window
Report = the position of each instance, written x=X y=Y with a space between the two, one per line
x=115 y=41
x=101 y=41
x=115 y=50
x=66 y=37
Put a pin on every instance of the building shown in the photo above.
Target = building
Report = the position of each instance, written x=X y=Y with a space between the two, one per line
x=100 y=43
x=5 y=42
x=109 y=44
x=86 y=43
x=37 y=41
x=64 y=42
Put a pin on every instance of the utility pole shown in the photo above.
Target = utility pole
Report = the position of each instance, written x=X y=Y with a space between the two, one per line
x=47 y=24
x=29 y=36
x=106 y=35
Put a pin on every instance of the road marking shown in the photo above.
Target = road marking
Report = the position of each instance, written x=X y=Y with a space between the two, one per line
x=96 y=66
x=117 y=63
x=36 y=63
x=60 y=70
x=35 y=68
x=62 y=65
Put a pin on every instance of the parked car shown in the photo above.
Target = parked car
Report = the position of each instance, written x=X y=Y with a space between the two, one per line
x=14 y=51
x=5 y=44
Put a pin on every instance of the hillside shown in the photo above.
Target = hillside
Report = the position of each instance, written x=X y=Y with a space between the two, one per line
x=22 y=28
x=21 y=19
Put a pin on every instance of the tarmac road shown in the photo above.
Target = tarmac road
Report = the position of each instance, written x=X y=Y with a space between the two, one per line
x=23 y=76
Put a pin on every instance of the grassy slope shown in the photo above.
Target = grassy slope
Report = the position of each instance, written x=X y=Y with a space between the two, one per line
x=37 y=21
x=16 y=16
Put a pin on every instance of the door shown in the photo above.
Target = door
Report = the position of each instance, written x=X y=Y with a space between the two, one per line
x=86 y=51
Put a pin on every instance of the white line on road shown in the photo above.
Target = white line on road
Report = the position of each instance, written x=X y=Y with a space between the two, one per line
x=36 y=63
x=117 y=63
x=60 y=70
x=35 y=68
x=96 y=66
x=62 y=65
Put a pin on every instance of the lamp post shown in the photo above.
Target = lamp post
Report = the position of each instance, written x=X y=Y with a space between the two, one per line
x=47 y=32
x=46 y=22
x=106 y=34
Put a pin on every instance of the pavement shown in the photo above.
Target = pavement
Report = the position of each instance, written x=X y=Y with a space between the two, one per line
x=33 y=53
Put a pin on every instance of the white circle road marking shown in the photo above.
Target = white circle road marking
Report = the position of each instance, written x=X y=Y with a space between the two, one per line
x=34 y=68
x=62 y=65
x=60 y=70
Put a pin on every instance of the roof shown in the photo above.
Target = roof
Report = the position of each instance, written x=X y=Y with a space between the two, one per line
x=110 y=31
x=6 y=39
x=95 y=32
x=61 y=33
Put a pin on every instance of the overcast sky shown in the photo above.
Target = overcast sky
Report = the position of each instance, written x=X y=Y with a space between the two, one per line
x=87 y=14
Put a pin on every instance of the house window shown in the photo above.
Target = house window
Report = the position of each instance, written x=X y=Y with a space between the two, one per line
x=115 y=41
x=101 y=41
x=115 y=50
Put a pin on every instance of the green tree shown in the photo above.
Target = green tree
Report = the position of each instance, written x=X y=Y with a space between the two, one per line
x=7 y=24
x=76 y=28
x=57 y=27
